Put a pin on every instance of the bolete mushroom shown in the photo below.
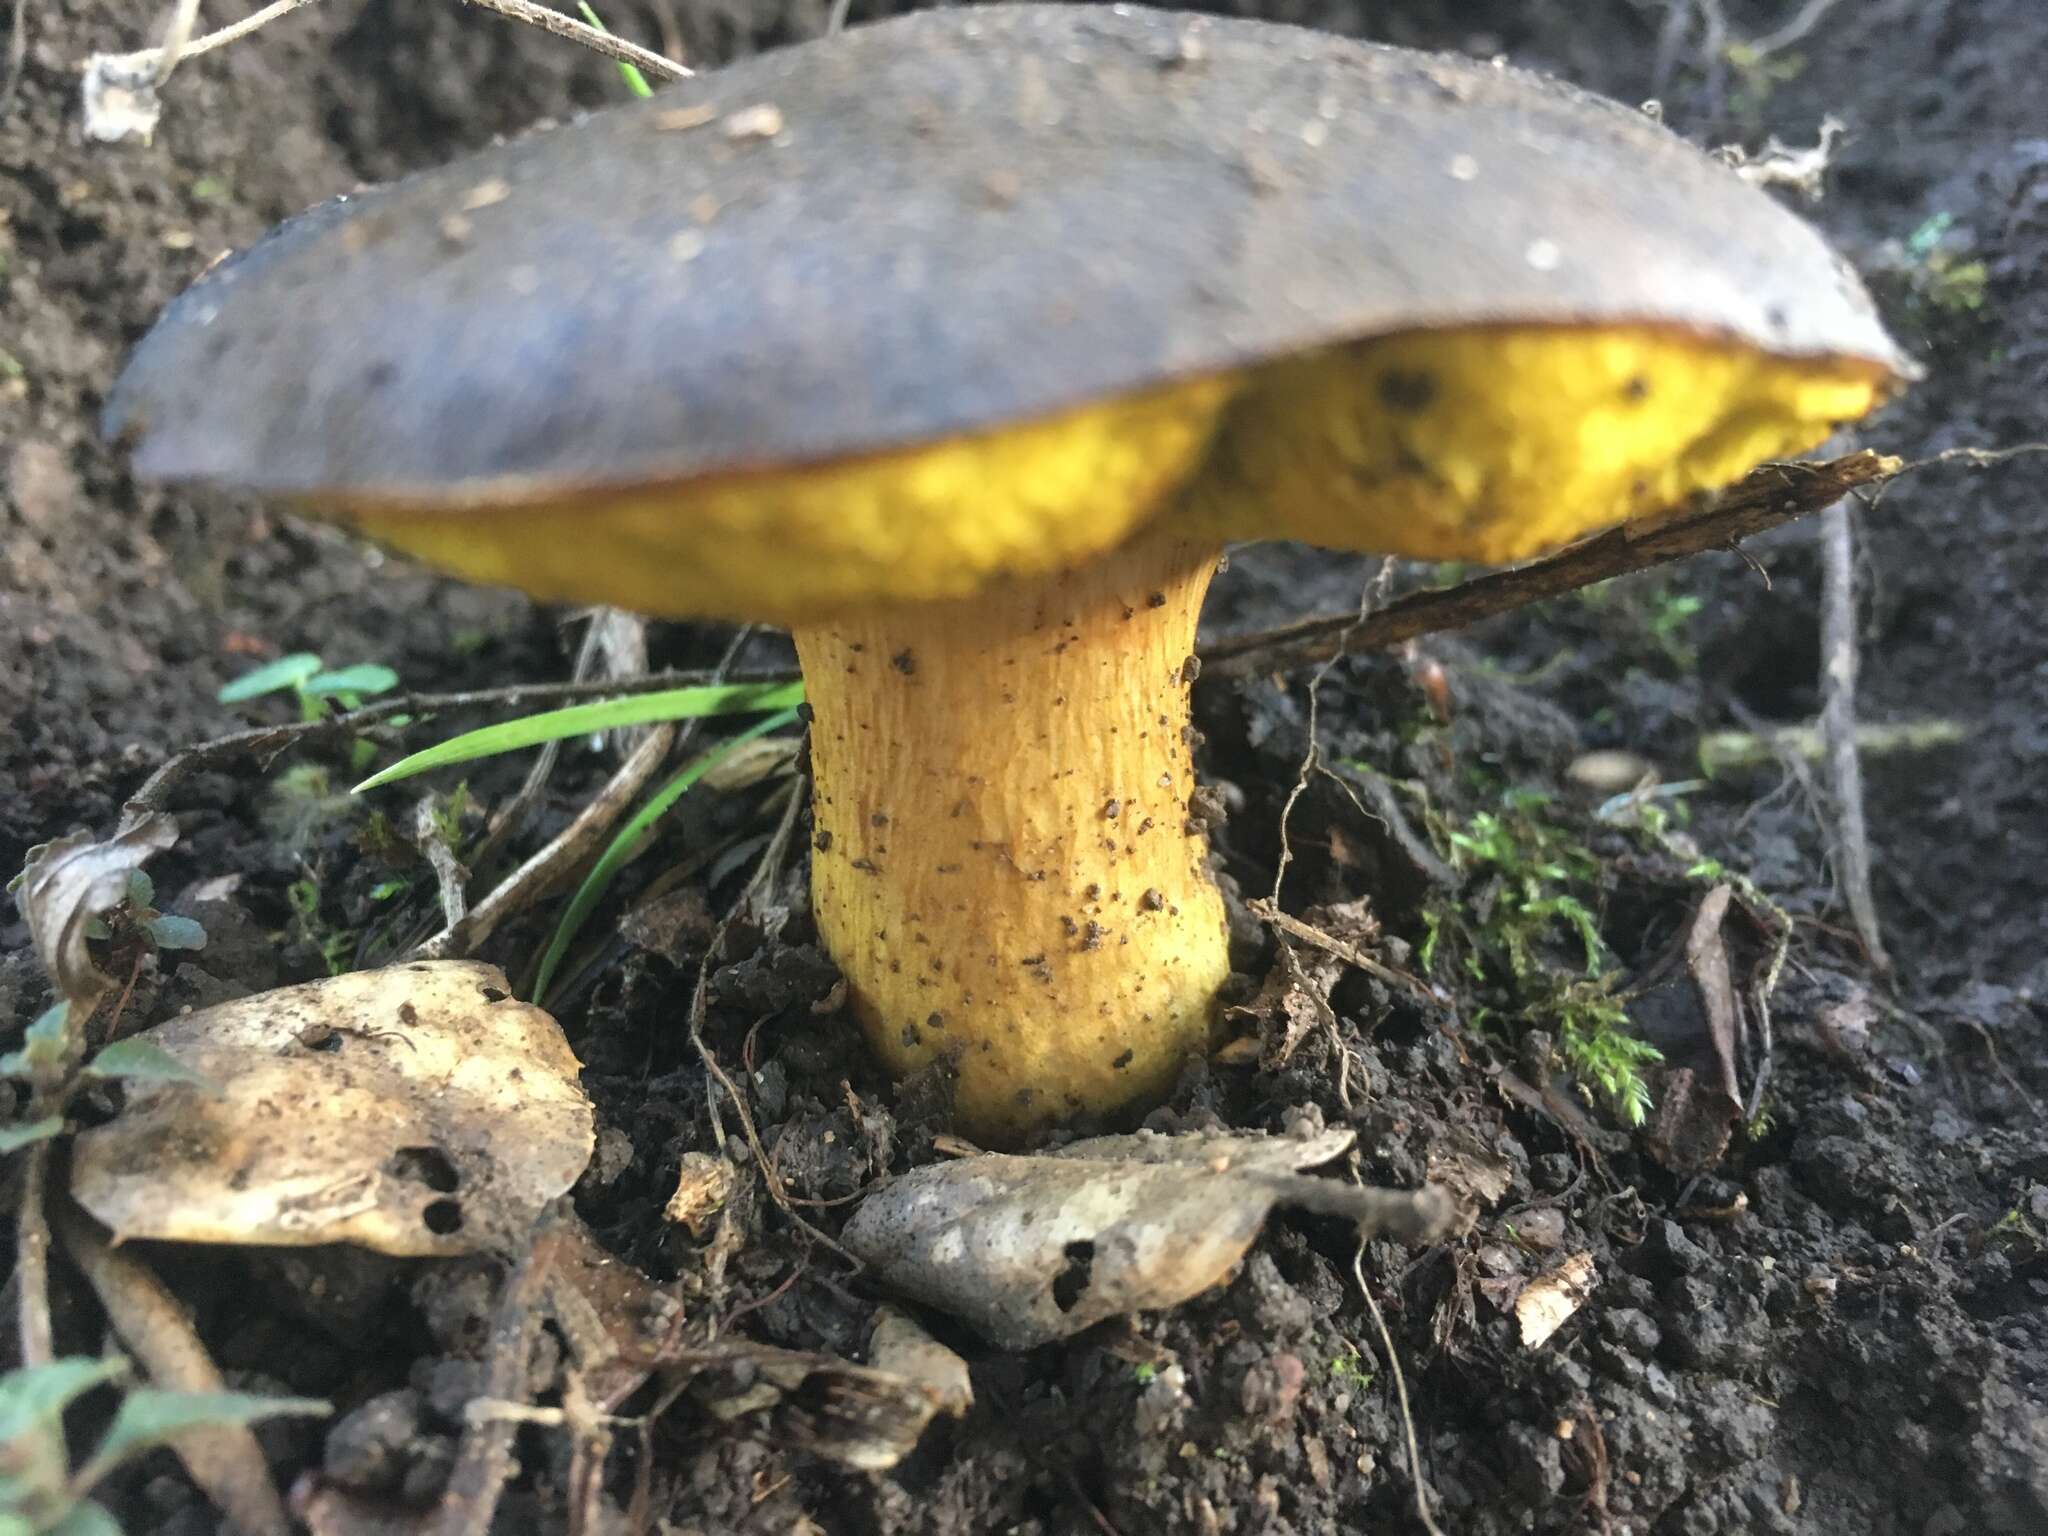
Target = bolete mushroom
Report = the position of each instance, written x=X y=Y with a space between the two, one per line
x=960 y=344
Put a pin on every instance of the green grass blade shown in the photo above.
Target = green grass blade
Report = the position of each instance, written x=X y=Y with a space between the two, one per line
x=628 y=840
x=588 y=719
x=635 y=81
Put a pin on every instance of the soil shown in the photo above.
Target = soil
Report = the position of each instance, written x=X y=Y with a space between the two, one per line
x=1838 y=1324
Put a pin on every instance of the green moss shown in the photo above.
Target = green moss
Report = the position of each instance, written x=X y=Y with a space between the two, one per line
x=1525 y=932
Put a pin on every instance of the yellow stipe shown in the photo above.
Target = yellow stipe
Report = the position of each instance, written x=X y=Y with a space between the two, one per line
x=1493 y=445
x=1483 y=444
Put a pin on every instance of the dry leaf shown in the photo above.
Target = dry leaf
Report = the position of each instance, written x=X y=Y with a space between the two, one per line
x=1029 y=1249
x=118 y=98
x=704 y=1182
x=622 y=1328
x=66 y=884
x=1545 y=1302
x=900 y=1346
x=415 y=1110
x=1701 y=1101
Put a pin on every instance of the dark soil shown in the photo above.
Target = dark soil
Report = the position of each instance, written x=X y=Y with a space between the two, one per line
x=1842 y=1325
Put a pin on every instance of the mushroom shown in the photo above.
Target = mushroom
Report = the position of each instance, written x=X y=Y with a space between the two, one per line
x=960 y=344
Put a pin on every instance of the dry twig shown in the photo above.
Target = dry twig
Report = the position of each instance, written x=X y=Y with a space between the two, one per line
x=1771 y=496
x=484 y=1462
x=223 y=1458
x=1838 y=726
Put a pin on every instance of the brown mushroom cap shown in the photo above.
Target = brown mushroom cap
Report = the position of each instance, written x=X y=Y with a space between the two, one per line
x=943 y=225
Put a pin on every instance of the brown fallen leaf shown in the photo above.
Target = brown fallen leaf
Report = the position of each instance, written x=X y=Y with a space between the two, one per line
x=416 y=1110
x=1030 y=1249
x=622 y=1329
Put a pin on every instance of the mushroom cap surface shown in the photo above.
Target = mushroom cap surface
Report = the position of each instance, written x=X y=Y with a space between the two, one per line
x=942 y=225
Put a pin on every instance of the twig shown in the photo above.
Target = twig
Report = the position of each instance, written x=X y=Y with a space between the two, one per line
x=532 y=880
x=1976 y=458
x=17 y=56
x=484 y=1462
x=1838 y=726
x=1400 y=1392
x=36 y=1338
x=591 y=37
x=1372 y=595
x=179 y=44
x=1267 y=911
x=1724 y=751
x=700 y=1001
x=449 y=875
x=1771 y=496
x=509 y=819
x=1793 y=31
x=836 y=21
x=223 y=1458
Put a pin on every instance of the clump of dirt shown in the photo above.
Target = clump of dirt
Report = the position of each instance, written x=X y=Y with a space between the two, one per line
x=1835 y=1325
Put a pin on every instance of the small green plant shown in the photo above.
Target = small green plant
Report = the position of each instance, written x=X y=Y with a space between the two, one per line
x=778 y=701
x=310 y=682
x=1350 y=1367
x=336 y=945
x=138 y=914
x=1144 y=1373
x=1527 y=931
x=318 y=690
x=40 y=1495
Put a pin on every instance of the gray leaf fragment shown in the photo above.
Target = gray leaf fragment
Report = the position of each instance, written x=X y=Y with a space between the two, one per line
x=1030 y=1249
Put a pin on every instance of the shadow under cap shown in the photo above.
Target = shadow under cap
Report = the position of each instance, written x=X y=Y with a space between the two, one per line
x=950 y=222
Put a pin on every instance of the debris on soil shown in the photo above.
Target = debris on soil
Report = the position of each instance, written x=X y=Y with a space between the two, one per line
x=1030 y=1249
x=414 y=1110
x=1546 y=1303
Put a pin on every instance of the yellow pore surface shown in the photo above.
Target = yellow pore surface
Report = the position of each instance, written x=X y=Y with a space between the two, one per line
x=1481 y=444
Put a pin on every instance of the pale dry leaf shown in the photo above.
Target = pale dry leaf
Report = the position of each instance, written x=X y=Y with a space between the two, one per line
x=900 y=1345
x=1545 y=1303
x=66 y=884
x=855 y=1415
x=704 y=1182
x=118 y=98
x=1030 y=1249
x=415 y=1110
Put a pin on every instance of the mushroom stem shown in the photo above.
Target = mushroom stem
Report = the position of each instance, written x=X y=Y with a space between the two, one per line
x=1005 y=867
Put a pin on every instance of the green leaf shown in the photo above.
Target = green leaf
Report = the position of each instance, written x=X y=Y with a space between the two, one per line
x=14 y=1137
x=587 y=719
x=628 y=840
x=280 y=676
x=37 y=1394
x=42 y=1044
x=142 y=1061
x=150 y=1416
x=141 y=889
x=171 y=932
x=86 y=1518
x=366 y=678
